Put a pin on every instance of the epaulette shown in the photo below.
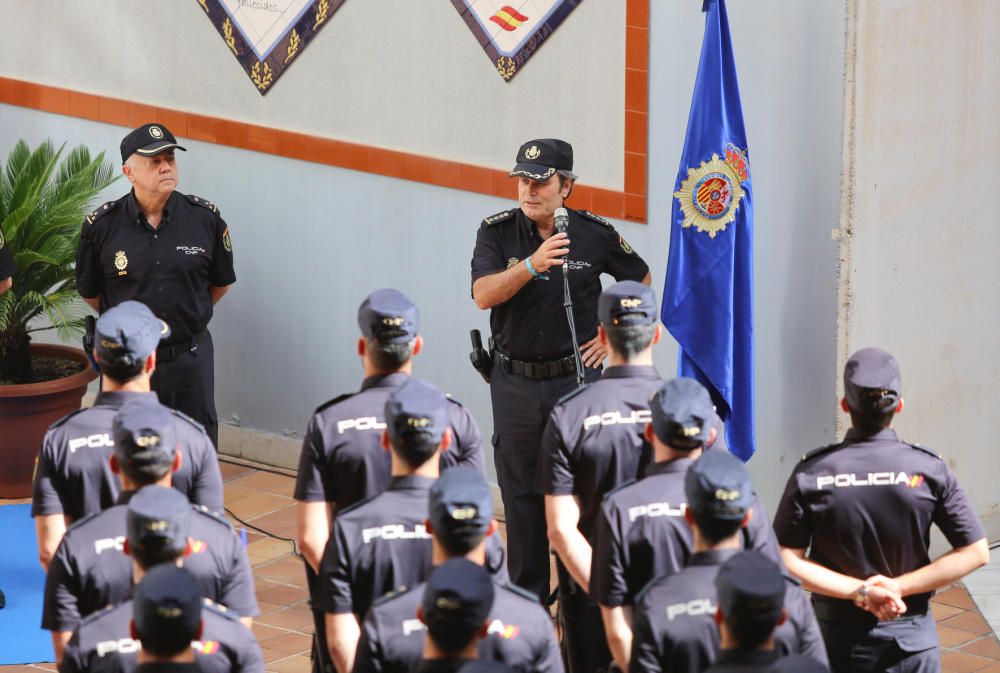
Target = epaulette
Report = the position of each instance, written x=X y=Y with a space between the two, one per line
x=392 y=593
x=820 y=450
x=499 y=217
x=219 y=609
x=339 y=398
x=520 y=591
x=353 y=506
x=618 y=488
x=453 y=400
x=98 y=614
x=645 y=590
x=215 y=515
x=80 y=522
x=67 y=417
x=925 y=450
x=571 y=394
x=204 y=203
x=101 y=211
x=790 y=579
x=595 y=218
x=181 y=415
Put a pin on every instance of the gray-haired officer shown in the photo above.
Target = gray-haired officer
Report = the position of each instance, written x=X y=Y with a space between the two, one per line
x=460 y=521
x=89 y=570
x=342 y=460
x=455 y=609
x=593 y=443
x=673 y=626
x=640 y=531
x=159 y=531
x=517 y=274
x=170 y=251
x=73 y=478
x=751 y=591
x=7 y=267
x=167 y=616
x=864 y=508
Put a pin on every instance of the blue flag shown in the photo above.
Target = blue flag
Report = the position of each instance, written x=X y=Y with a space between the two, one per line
x=708 y=292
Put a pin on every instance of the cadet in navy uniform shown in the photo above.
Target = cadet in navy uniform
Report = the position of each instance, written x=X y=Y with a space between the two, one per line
x=455 y=609
x=173 y=253
x=520 y=632
x=641 y=532
x=673 y=621
x=517 y=273
x=342 y=459
x=89 y=570
x=751 y=591
x=7 y=267
x=158 y=525
x=167 y=616
x=73 y=478
x=592 y=443
x=865 y=507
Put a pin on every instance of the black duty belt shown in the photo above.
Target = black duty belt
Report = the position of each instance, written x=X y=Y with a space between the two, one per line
x=847 y=612
x=535 y=370
x=175 y=350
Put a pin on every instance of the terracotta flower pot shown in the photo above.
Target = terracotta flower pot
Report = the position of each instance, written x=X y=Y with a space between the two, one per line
x=26 y=412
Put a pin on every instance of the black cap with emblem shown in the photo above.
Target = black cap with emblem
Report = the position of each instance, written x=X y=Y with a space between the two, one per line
x=148 y=140
x=539 y=159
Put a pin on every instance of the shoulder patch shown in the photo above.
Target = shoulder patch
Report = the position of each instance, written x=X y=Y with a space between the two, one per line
x=925 y=450
x=335 y=400
x=214 y=515
x=571 y=394
x=619 y=487
x=67 y=417
x=821 y=450
x=499 y=217
x=520 y=591
x=101 y=211
x=595 y=218
x=204 y=203
x=219 y=609
x=391 y=594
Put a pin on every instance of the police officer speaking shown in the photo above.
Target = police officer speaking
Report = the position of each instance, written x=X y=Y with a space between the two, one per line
x=73 y=478
x=517 y=267
x=173 y=253
x=864 y=508
x=520 y=631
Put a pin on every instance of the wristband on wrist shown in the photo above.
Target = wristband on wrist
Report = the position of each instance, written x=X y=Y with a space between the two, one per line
x=527 y=264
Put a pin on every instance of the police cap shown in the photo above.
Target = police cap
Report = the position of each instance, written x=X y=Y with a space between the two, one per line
x=461 y=508
x=456 y=602
x=871 y=380
x=167 y=610
x=145 y=437
x=539 y=159
x=627 y=303
x=148 y=140
x=751 y=589
x=157 y=524
x=388 y=316
x=682 y=412
x=718 y=486
x=128 y=330
x=416 y=417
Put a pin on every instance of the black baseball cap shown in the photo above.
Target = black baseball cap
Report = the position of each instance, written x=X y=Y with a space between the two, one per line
x=157 y=525
x=166 y=608
x=718 y=486
x=145 y=437
x=461 y=508
x=148 y=140
x=128 y=329
x=627 y=303
x=416 y=417
x=871 y=380
x=539 y=159
x=751 y=589
x=457 y=600
x=682 y=413
x=388 y=316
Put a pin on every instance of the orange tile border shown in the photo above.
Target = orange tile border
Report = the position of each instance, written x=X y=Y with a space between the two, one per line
x=629 y=203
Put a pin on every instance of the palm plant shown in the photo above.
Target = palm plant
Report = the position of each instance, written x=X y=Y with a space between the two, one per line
x=42 y=205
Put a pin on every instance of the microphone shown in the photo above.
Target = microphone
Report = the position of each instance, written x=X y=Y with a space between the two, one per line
x=562 y=220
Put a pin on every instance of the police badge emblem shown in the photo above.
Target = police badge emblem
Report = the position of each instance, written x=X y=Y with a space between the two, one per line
x=156 y=132
x=121 y=263
x=532 y=153
x=711 y=193
x=512 y=262
x=227 y=242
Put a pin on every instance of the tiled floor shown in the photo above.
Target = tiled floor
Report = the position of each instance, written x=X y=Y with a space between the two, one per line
x=263 y=499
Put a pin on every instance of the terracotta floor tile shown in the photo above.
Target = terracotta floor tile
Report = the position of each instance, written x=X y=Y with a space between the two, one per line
x=233 y=492
x=17 y=669
x=293 y=619
x=269 y=549
x=992 y=668
x=987 y=647
x=970 y=621
x=293 y=664
x=267 y=607
x=954 y=637
x=959 y=662
x=282 y=523
x=957 y=597
x=268 y=482
x=287 y=571
x=232 y=470
x=942 y=611
x=260 y=503
x=285 y=595
x=288 y=643
x=265 y=632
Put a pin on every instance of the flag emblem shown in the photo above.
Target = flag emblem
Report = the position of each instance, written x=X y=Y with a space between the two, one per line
x=508 y=18
x=205 y=646
x=915 y=480
x=710 y=195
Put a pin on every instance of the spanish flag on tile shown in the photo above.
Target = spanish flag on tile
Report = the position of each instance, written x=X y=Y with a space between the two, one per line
x=508 y=18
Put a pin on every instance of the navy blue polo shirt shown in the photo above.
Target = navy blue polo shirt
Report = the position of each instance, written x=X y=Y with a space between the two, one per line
x=169 y=268
x=102 y=643
x=641 y=533
x=531 y=325
x=520 y=634
x=594 y=440
x=674 y=620
x=765 y=661
x=343 y=460
x=90 y=571
x=74 y=478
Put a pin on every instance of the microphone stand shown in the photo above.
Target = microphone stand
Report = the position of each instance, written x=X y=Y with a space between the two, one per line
x=568 y=305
